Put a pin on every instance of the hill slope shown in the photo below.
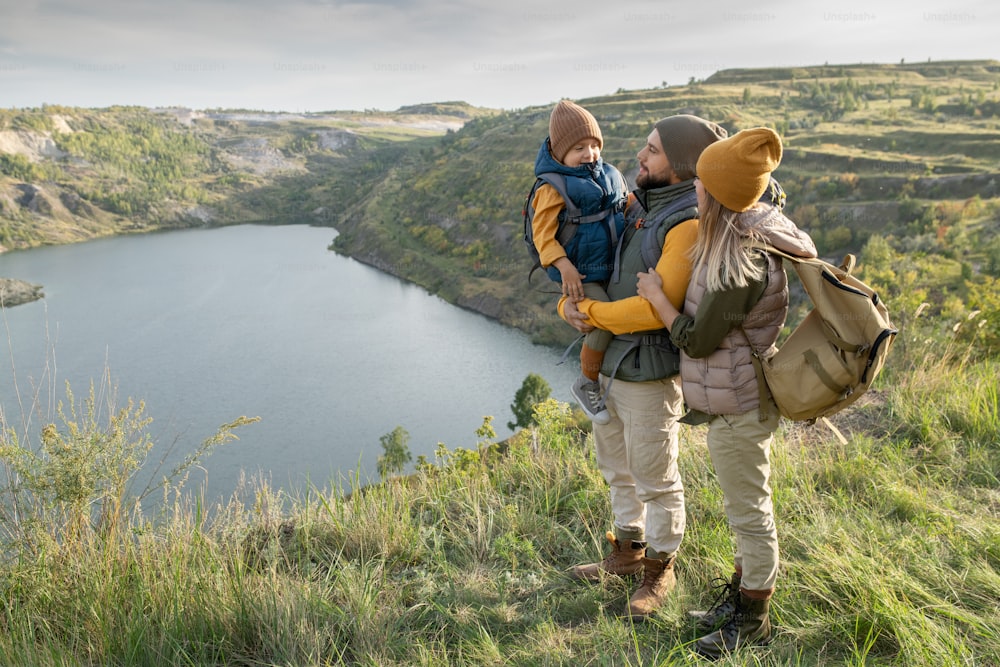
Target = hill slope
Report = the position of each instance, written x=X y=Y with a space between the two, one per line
x=69 y=174
x=908 y=152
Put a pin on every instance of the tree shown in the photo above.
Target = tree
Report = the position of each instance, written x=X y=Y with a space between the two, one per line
x=396 y=446
x=533 y=391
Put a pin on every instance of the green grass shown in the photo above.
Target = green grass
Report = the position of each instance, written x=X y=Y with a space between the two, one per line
x=890 y=551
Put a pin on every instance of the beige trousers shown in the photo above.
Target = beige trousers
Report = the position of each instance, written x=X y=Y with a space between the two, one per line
x=740 y=446
x=637 y=454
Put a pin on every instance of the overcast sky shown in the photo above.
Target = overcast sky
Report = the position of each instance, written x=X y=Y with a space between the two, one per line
x=319 y=55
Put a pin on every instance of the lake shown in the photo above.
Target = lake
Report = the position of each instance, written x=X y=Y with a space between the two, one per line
x=208 y=325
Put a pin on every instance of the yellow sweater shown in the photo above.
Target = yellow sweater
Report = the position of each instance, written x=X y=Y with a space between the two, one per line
x=548 y=203
x=634 y=313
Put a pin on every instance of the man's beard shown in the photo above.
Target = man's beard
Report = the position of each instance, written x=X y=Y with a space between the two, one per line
x=651 y=182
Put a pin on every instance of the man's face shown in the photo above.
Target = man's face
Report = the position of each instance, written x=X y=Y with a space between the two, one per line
x=654 y=167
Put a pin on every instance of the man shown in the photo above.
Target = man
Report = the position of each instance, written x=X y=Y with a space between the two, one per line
x=637 y=450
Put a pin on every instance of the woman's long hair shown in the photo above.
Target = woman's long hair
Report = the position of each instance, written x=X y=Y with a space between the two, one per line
x=721 y=247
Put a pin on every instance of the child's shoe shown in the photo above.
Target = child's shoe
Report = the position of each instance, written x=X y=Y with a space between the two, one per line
x=588 y=394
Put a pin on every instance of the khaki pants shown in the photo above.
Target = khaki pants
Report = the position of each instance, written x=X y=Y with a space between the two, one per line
x=740 y=446
x=637 y=454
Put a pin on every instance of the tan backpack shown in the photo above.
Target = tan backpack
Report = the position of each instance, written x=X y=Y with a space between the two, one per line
x=836 y=352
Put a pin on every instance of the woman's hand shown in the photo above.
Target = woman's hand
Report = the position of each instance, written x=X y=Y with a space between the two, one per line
x=650 y=285
x=650 y=288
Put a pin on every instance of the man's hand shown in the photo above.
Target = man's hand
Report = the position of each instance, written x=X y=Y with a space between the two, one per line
x=575 y=318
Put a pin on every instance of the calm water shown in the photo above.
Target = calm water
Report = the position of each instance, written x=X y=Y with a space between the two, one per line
x=209 y=325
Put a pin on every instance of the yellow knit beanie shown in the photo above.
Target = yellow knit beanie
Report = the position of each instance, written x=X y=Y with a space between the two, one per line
x=737 y=170
x=568 y=125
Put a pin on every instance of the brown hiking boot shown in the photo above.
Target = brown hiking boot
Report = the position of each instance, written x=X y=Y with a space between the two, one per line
x=624 y=560
x=658 y=581
x=722 y=608
x=749 y=625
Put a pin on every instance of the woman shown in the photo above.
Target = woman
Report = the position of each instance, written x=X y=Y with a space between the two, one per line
x=734 y=310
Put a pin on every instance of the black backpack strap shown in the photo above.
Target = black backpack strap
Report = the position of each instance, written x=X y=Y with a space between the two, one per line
x=569 y=348
x=683 y=208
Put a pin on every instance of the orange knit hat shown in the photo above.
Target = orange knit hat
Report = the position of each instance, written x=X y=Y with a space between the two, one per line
x=737 y=170
x=569 y=124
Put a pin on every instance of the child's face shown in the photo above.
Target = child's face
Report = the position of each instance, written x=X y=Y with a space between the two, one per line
x=583 y=152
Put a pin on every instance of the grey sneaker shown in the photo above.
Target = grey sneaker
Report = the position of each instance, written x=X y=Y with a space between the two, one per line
x=588 y=394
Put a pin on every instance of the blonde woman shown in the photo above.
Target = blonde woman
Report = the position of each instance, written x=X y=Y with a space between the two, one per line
x=734 y=308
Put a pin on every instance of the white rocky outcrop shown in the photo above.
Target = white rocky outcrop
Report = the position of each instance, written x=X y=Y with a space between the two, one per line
x=33 y=145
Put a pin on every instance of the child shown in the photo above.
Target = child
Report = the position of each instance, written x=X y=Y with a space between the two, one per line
x=573 y=149
x=734 y=310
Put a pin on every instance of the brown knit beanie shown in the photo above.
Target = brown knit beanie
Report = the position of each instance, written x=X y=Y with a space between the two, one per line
x=568 y=125
x=736 y=171
x=684 y=137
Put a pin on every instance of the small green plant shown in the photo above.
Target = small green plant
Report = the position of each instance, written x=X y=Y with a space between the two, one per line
x=486 y=433
x=77 y=480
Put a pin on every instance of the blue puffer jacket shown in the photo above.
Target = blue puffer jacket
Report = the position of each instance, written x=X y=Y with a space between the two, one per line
x=593 y=187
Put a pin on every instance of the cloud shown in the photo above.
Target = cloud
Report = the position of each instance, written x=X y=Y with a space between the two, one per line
x=311 y=55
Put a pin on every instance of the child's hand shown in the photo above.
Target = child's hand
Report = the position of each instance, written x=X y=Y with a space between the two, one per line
x=572 y=281
x=650 y=285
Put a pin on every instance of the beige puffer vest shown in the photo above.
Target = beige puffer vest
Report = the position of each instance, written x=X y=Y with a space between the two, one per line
x=725 y=382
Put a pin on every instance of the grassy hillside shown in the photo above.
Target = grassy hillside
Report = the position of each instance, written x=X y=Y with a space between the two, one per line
x=907 y=152
x=890 y=545
x=69 y=174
